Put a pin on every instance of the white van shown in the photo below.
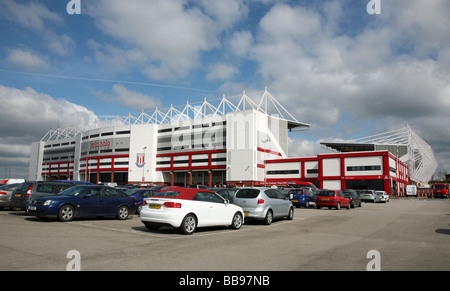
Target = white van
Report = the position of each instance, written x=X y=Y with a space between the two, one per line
x=411 y=190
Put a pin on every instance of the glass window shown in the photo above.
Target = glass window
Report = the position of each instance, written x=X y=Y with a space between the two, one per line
x=247 y=193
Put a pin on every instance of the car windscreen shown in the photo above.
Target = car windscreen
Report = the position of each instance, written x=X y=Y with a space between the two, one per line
x=326 y=193
x=247 y=193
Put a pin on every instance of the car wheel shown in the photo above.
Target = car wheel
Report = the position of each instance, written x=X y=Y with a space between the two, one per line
x=290 y=214
x=348 y=206
x=237 y=221
x=66 y=213
x=122 y=213
x=269 y=217
x=189 y=224
x=307 y=204
x=338 y=206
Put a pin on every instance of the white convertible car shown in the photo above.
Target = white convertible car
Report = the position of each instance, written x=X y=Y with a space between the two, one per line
x=189 y=208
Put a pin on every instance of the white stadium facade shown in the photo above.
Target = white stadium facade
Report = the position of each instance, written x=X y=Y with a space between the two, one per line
x=213 y=143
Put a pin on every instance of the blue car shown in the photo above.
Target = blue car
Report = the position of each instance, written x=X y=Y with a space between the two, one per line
x=301 y=197
x=83 y=201
x=140 y=194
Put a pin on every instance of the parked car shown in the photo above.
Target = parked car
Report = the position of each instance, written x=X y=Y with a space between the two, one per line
x=140 y=194
x=332 y=198
x=384 y=197
x=28 y=190
x=83 y=201
x=353 y=196
x=5 y=194
x=189 y=208
x=368 y=196
x=264 y=204
x=227 y=193
x=301 y=197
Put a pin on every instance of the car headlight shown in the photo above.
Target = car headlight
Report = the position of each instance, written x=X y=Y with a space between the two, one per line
x=48 y=202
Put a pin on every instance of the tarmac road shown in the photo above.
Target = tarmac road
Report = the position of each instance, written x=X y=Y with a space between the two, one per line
x=406 y=234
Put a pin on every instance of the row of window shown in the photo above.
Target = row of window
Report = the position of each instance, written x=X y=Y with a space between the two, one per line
x=106 y=134
x=194 y=161
x=316 y=171
x=195 y=126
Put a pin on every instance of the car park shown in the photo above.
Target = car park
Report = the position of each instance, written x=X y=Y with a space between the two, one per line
x=301 y=197
x=332 y=199
x=34 y=189
x=190 y=208
x=353 y=196
x=264 y=204
x=83 y=201
x=140 y=194
x=368 y=196
x=5 y=194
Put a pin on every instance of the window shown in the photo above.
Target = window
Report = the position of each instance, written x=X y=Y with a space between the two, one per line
x=207 y=197
x=274 y=194
x=283 y=172
x=111 y=192
x=364 y=168
x=247 y=193
x=45 y=188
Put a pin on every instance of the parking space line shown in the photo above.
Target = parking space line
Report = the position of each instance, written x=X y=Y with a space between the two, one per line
x=130 y=231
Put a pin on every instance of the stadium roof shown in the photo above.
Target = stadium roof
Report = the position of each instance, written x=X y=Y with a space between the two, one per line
x=404 y=143
x=267 y=104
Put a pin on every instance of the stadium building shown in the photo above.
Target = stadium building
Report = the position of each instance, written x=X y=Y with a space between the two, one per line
x=219 y=142
x=204 y=143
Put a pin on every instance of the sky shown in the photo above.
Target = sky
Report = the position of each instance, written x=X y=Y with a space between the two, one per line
x=347 y=72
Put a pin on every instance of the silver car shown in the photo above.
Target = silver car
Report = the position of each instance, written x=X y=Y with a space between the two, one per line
x=5 y=194
x=264 y=204
x=369 y=196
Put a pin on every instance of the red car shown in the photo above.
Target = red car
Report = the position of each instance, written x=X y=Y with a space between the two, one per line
x=332 y=198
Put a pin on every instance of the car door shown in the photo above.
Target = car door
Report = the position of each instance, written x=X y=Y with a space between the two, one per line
x=275 y=201
x=342 y=200
x=210 y=209
x=91 y=203
x=111 y=200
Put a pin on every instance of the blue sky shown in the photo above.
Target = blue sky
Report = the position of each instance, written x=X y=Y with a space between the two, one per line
x=346 y=72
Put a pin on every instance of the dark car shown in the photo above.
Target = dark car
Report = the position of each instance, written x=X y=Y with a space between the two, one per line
x=355 y=201
x=140 y=194
x=28 y=190
x=226 y=193
x=301 y=197
x=83 y=201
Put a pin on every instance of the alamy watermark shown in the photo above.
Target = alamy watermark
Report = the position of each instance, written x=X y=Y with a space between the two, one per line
x=73 y=7
x=374 y=7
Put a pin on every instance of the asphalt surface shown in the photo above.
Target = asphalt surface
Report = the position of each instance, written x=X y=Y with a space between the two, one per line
x=403 y=234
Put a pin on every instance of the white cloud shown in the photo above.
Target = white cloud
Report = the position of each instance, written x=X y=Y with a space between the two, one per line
x=134 y=99
x=170 y=34
x=383 y=75
x=37 y=18
x=221 y=71
x=26 y=60
x=31 y=15
x=26 y=117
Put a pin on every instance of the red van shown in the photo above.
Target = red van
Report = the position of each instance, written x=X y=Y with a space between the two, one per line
x=332 y=198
